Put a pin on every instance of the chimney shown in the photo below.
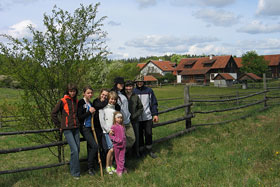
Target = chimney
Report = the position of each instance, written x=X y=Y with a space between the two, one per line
x=211 y=57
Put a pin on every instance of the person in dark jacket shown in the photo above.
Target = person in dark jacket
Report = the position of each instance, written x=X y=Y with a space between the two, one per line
x=85 y=114
x=99 y=103
x=136 y=109
x=149 y=115
x=69 y=125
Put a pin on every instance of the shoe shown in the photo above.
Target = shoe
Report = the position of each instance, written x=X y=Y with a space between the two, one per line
x=119 y=174
x=109 y=171
x=125 y=170
x=91 y=172
x=76 y=178
x=113 y=169
x=153 y=155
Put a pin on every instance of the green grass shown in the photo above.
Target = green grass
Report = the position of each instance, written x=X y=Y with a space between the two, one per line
x=241 y=153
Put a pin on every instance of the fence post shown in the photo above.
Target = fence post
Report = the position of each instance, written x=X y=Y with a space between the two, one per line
x=265 y=89
x=188 y=108
x=0 y=121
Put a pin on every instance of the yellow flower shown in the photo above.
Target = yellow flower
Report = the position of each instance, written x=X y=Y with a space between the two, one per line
x=277 y=153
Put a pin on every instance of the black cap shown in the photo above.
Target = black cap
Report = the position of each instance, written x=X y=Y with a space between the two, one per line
x=119 y=80
x=129 y=83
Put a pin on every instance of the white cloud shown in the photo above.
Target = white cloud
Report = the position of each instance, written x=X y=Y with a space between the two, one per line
x=146 y=3
x=258 y=27
x=212 y=3
x=209 y=49
x=20 y=29
x=6 y=4
x=269 y=7
x=264 y=44
x=165 y=44
x=217 y=17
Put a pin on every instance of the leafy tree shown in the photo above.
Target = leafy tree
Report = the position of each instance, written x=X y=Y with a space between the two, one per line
x=67 y=51
x=253 y=63
x=168 y=77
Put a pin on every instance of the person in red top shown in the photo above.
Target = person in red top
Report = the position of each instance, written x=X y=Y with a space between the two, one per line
x=69 y=125
x=117 y=135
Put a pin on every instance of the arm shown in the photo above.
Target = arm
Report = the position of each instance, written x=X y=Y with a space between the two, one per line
x=82 y=112
x=54 y=114
x=154 y=107
x=139 y=109
x=114 y=137
x=102 y=120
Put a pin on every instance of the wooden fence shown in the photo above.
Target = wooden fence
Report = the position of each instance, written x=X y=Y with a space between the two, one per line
x=189 y=114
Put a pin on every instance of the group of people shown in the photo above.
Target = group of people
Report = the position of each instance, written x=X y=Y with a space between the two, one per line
x=117 y=123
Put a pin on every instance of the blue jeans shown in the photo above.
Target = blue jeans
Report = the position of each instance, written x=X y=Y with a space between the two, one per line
x=92 y=146
x=73 y=139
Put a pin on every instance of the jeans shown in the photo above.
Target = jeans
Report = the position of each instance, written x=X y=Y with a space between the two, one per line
x=73 y=139
x=92 y=146
x=145 y=129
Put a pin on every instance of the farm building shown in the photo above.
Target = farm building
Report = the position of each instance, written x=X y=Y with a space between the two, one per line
x=203 y=70
x=273 y=65
x=157 y=67
x=224 y=79
x=248 y=77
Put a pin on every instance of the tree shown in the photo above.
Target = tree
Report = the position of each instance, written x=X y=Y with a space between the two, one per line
x=70 y=45
x=253 y=63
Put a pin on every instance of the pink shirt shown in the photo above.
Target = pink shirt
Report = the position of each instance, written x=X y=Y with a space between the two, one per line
x=118 y=138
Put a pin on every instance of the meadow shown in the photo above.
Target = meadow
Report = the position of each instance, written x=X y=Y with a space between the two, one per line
x=241 y=153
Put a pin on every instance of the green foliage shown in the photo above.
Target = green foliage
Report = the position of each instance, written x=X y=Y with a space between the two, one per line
x=167 y=78
x=120 y=69
x=253 y=63
x=70 y=46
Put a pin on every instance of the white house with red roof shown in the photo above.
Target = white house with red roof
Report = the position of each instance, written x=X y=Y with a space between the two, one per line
x=157 y=67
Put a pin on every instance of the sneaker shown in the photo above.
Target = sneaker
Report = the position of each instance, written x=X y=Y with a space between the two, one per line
x=153 y=155
x=119 y=174
x=76 y=178
x=91 y=172
x=109 y=171
x=113 y=169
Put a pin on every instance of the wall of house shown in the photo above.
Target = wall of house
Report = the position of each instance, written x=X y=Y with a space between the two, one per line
x=151 y=68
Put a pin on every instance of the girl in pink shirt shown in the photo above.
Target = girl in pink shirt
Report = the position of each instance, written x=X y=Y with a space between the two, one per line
x=119 y=141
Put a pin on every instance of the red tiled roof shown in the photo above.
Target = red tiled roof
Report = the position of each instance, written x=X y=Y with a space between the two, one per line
x=194 y=71
x=225 y=76
x=248 y=76
x=149 y=78
x=141 y=65
x=218 y=62
x=274 y=60
x=163 y=65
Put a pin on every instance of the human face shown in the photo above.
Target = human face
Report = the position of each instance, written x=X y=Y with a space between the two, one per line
x=104 y=95
x=72 y=93
x=119 y=119
x=128 y=89
x=140 y=83
x=88 y=94
x=112 y=101
x=120 y=86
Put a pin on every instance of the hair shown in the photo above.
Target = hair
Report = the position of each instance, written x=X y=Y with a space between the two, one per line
x=87 y=88
x=113 y=95
x=71 y=86
x=115 y=113
x=102 y=90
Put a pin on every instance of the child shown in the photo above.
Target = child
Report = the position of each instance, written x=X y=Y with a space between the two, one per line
x=119 y=141
x=85 y=112
x=69 y=124
x=106 y=121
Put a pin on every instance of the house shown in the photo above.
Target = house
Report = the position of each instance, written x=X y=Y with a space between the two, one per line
x=204 y=69
x=149 y=79
x=157 y=67
x=224 y=80
x=273 y=65
x=244 y=78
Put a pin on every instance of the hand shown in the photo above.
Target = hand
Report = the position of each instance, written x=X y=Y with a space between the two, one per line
x=92 y=110
x=155 y=119
x=111 y=132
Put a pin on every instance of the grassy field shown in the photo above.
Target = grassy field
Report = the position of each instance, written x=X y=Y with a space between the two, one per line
x=241 y=153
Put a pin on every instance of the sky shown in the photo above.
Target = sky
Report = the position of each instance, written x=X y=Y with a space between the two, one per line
x=140 y=28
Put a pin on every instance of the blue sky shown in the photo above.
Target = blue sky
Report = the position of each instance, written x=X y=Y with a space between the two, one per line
x=157 y=27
